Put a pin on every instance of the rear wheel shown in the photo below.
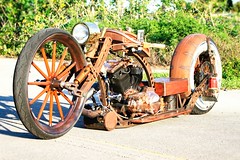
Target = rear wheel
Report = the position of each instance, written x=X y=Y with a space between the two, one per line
x=191 y=60
x=46 y=109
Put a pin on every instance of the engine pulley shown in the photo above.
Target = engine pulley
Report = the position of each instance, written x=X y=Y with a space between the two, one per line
x=110 y=121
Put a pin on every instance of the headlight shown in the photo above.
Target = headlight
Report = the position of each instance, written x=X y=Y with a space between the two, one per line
x=86 y=32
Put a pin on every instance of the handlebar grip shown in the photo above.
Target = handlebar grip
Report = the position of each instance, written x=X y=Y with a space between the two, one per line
x=153 y=45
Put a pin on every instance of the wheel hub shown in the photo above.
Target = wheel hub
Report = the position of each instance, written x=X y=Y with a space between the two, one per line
x=55 y=84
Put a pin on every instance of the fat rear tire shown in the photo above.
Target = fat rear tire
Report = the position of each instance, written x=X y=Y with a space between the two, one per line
x=183 y=65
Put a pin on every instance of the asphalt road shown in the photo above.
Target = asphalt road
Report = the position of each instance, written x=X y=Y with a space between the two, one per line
x=213 y=136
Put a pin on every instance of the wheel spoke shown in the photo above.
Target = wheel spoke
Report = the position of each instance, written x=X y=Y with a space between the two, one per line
x=39 y=83
x=39 y=95
x=54 y=56
x=61 y=61
x=39 y=70
x=43 y=105
x=51 y=108
x=58 y=106
x=45 y=60
x=64 y=96
x=66 y=71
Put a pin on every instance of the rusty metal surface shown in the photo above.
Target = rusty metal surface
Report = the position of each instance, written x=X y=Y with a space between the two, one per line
x=90 y=113
x=171 y=86
x=97 y=66
x=197 y=92
x=140 y=102
x=141 y=110
x=160 y=116
x=147 y=68
x=123 y=40
x=110 y=121
x=120 y=36
x=137 y=105
x=182 y=58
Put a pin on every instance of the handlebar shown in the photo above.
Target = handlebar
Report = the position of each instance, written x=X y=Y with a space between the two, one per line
x=153 y=45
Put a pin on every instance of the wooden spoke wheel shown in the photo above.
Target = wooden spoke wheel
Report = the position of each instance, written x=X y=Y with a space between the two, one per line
x=45 y=108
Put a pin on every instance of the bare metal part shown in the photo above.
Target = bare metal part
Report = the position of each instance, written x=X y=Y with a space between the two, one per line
x=197 y=92
x=97 y=99
x=117 y=97
x=90 y=93
x=72 y=87
x=153 y=45
x=171 y=102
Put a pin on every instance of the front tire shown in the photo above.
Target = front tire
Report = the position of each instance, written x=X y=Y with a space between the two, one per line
x=190 y=55
x=49 y=57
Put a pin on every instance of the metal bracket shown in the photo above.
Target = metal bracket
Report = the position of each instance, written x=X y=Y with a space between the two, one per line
x=197 y=92
x=211 y=56
x=73 y=88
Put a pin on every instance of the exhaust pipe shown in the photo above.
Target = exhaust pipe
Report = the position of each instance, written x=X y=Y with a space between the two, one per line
x=87 y=112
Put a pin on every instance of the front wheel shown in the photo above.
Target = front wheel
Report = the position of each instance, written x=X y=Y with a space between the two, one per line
x=192 y=60
x=45 y=108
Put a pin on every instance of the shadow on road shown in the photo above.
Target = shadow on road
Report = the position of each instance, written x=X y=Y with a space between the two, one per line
x=9 y=121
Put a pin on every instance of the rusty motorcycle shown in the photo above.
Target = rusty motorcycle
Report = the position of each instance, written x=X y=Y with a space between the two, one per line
x=105 y=77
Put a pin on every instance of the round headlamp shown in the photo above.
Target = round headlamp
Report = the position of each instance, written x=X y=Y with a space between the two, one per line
x=85 y=32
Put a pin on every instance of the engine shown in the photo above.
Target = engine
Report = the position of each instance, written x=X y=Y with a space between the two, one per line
x=125 y=78
x=126 y=94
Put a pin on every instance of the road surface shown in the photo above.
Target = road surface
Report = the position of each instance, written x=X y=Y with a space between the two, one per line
x=213 y=136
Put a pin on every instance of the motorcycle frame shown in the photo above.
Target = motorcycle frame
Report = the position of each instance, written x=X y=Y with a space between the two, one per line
x=127 y=42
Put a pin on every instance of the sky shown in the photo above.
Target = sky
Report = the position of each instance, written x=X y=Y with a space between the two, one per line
x=153 y=4
x=235 y=1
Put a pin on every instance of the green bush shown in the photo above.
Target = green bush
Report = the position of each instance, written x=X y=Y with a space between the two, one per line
x=21 y=19
x=231 y=69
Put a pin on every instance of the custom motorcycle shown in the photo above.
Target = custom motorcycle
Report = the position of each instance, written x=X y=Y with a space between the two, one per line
x=104 y=76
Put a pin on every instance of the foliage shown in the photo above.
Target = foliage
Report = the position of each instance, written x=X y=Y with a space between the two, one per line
x=231 y=83
x=171 y=22
x=231 y=69
x=236 y=7
x=231 y=74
